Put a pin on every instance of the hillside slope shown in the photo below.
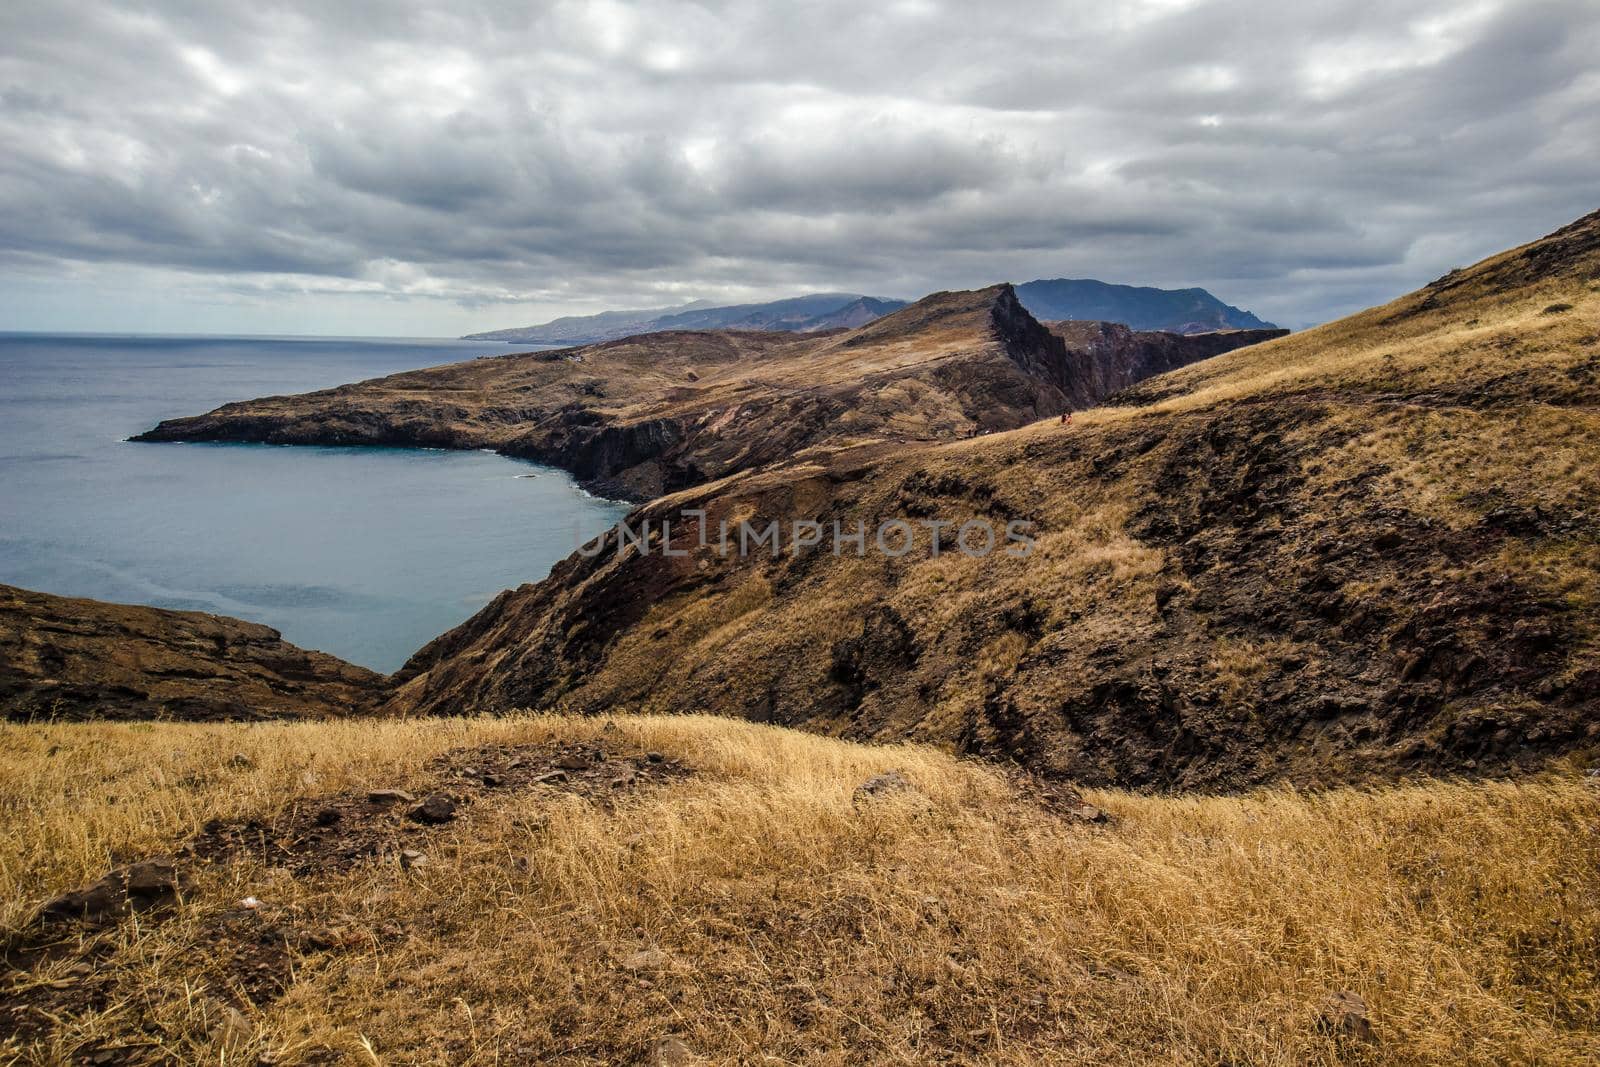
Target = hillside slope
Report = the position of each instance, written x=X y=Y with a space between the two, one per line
x=665 y=411
x=1370 y=549
x=68 y=659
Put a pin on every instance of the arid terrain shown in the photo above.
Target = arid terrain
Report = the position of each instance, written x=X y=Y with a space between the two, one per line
x=1278 y=748
x=1368 y=550
x=720 y=892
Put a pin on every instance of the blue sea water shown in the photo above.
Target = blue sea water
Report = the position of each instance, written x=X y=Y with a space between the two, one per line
x=364 y=553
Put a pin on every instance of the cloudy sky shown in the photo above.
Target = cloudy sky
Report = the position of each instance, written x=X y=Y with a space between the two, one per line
x=366 y=167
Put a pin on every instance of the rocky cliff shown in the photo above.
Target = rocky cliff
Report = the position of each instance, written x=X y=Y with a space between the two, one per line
x=63 y=658
x=661 y=412
x=1104 y=358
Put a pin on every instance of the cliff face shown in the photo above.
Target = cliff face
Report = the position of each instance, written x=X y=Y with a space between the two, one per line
x=1104 y=358
x=71 y=659
x=667 y=411
x=1371 y=549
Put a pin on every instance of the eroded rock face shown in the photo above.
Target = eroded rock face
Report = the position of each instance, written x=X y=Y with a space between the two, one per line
x=73 y=659
x=1103 y=358
x=654 y=414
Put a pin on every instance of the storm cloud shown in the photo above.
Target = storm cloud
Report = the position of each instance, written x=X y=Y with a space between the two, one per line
x=444 y=166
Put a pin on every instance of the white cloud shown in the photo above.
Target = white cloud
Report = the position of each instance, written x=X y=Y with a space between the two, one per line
x=476 y=164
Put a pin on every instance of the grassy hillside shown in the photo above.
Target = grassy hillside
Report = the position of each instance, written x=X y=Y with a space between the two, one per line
x=751 y=905
x=1368 y=550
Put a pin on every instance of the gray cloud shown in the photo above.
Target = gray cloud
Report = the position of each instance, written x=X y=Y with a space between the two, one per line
x=483 y=164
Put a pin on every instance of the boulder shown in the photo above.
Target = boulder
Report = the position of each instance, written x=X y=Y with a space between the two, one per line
x=1344 y=1015
x=436 y=810
x=672 y=1052
x=136 y=887
x=1087 y=813
x=879 y=784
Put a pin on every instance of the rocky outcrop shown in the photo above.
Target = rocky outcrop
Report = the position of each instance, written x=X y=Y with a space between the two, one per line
x=1104 y=358
x=654 y=414
x=68 y=659
x=1368 y=550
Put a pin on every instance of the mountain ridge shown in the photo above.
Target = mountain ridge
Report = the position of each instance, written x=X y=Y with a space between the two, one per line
x=1191 y=310
x=74 y=659
x=1141 y=308
x=801 y=314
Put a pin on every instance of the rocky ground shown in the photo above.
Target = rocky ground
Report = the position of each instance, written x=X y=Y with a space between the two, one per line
x=63 y=658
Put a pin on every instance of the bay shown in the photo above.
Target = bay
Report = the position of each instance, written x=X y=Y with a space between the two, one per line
x=364 y=553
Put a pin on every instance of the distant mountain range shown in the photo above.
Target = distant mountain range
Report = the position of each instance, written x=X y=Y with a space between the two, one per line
x=798 y=314
x=1138 y=307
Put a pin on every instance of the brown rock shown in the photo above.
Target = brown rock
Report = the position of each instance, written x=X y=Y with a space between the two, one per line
x=879 y=784
x=233 y=1029
x=79 y=660
x=436 y=810
x=137 y=887
x=1344 y=1015
x=389 y=797
x=574 y=761
x=410 y=858
x=671 y=1052
x=1087 y=813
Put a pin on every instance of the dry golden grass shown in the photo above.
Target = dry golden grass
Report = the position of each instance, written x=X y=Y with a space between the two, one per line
x=956 y=921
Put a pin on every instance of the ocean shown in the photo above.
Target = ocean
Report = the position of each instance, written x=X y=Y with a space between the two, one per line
x=366 y=553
